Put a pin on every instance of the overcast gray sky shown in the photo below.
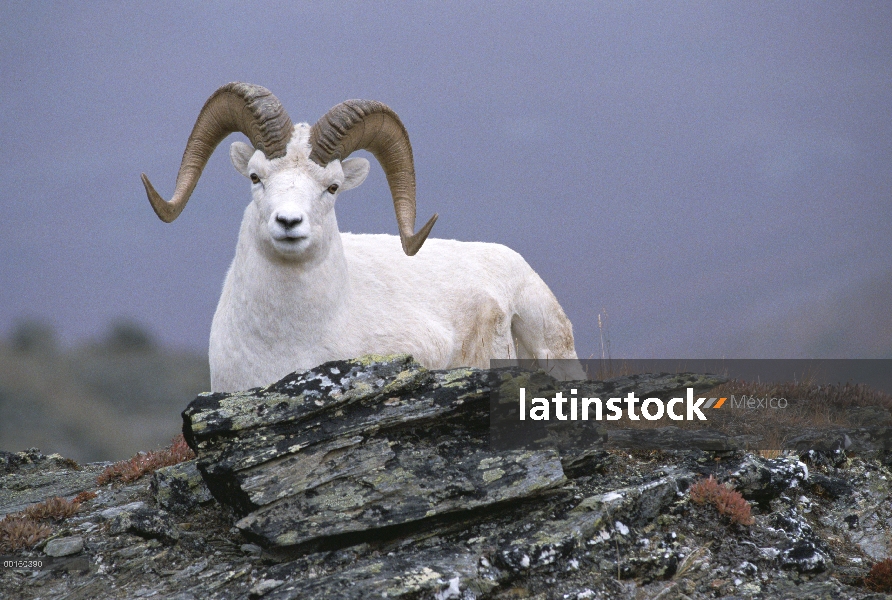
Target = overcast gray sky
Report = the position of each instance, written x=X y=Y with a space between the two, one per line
x=715 y=176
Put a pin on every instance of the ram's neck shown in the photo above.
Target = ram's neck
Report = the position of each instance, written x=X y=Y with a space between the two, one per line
x=282 y=296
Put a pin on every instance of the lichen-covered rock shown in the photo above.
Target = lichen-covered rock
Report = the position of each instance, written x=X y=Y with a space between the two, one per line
x=639 y=504
x=179 y=488
x=869 y=442
x=592 y=518
x=30 y=477
x=763 y=480
x=805 y=557
x=352 y=447
x=143 y=521
x=833 y=488
x=432 y=574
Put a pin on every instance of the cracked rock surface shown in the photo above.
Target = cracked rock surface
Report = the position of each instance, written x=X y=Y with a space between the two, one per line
x=374 y=478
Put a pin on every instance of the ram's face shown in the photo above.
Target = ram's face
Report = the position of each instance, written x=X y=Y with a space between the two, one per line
x=294 y=197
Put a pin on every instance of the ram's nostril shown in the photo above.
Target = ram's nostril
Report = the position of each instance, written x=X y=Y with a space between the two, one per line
x=289 y=222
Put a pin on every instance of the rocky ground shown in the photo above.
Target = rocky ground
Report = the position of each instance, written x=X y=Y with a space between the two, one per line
x=373 y=478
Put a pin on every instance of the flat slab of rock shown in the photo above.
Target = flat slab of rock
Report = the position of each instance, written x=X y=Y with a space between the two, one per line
x=65 y=546
x=30 y=477
x=672 y=438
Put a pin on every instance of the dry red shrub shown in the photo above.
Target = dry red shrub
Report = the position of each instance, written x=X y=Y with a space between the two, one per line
x=83 y=497
x=726 y=499
x=145 y=463
x=18 y=532
x=880 y=577
x=25 y=530
x=56 y=509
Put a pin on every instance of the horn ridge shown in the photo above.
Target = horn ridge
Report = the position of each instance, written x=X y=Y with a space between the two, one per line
x=371 y=125
x=244 y=107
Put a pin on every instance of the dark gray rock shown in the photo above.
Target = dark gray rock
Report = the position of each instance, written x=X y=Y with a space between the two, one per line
x=763 y=480
x=833 y=488
x=30 y=477
x=672 y=438
x=805 y=557
x=64 y=546
x=827 y=444
x=144 y=522
x=355 y=447
x=179 y=488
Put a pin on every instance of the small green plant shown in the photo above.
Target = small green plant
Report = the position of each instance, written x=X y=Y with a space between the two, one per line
x=724 y=498
x=147 y=462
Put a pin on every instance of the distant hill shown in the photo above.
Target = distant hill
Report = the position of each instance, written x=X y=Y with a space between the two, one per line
x=855 y=322
x=104 y=402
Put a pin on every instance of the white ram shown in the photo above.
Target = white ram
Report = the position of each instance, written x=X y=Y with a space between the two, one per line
x=300 y=293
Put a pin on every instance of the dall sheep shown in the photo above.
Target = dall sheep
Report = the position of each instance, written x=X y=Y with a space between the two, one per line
x=300 y=292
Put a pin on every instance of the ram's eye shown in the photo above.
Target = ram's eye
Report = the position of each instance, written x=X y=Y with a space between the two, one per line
x=255 y=178
x=332 y=188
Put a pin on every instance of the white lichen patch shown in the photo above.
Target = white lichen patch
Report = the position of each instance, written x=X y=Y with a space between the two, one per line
x=453 y=591
x=547 y=556
x=344 y=500
x=286 y=539
x=489 y=463
x=493 y=475
x=416 y=581
x=450 y=378
x=367 y=360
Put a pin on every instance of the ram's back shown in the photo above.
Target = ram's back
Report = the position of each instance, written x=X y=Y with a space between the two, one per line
x=452 y=304
x=441 y=266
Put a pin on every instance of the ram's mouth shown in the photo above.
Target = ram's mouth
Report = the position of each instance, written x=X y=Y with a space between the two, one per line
x=289 y=239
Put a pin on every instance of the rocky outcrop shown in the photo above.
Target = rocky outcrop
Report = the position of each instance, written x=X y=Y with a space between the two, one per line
x=375 y=478
x=358 y=448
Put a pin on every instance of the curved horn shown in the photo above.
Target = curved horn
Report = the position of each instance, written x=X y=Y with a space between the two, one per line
x=250 y=109
x=373 y=126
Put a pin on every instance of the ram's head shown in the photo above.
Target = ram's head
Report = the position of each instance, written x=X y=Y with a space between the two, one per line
x=293 y=212
x=279 y=147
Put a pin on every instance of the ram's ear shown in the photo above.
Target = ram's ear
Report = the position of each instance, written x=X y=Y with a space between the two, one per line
x=355 y=172
x=240 y=153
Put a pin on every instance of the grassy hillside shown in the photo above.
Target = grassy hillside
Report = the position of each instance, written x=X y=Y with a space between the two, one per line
x=103 y=402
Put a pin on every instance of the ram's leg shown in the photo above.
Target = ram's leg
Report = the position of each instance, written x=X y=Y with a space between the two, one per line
x=543 y=332
x=485 y=334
